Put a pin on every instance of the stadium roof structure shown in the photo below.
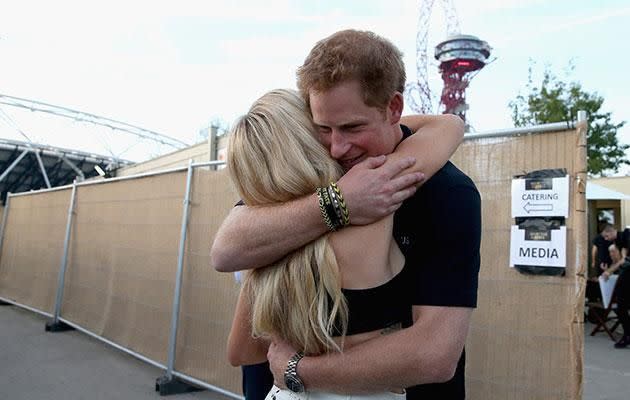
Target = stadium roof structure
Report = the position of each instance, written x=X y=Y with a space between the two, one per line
x=28 y=166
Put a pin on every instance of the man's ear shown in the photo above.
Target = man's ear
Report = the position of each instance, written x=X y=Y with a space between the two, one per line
x=395 y=108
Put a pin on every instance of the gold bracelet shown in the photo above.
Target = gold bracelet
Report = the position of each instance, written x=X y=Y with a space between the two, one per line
x=324 y=203
x=345 y=215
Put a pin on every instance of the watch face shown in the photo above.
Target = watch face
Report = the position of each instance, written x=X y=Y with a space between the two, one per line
x=294 y=383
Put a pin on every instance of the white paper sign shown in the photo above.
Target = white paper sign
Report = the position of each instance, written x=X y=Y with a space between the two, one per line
x=607 y=287
x=540 y=197
x=539 y=253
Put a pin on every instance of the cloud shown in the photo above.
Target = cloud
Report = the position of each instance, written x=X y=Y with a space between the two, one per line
x=562 y=24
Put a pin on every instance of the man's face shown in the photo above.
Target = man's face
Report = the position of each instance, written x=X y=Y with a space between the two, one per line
x=351 y=130
x=609 y=235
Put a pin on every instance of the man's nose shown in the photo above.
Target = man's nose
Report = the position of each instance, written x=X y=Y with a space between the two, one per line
x=338 y=145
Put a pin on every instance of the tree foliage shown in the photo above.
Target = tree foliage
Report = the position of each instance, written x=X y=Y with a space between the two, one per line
x=557 y=101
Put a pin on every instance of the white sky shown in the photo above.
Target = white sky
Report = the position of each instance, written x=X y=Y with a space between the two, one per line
x=174 y=67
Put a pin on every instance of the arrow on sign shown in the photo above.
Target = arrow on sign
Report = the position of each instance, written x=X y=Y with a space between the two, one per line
x=537 y=207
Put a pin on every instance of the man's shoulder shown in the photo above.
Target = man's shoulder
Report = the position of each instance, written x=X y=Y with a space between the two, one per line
x=623 y=238
x=446 y=179
x=449 y=188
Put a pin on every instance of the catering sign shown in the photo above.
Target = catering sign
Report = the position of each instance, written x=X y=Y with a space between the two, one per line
x=540 y=197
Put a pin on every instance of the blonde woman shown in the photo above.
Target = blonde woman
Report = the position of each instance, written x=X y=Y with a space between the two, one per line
x=340 y=290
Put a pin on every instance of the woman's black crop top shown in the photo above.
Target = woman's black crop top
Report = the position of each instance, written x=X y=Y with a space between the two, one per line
x=379 y=307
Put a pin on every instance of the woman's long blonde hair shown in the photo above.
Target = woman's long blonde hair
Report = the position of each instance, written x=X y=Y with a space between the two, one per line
x=274 y=157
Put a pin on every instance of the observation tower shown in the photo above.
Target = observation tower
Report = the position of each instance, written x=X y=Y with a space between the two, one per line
x=460 y=57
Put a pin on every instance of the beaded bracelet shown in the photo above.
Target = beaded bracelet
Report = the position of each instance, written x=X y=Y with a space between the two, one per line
x=325 y=207
x=332 y=207
x=345 y=215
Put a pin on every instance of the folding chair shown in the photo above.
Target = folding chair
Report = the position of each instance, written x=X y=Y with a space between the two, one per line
x=602 y=318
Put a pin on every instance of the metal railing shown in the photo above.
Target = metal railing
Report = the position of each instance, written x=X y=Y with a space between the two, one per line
x=172 y=377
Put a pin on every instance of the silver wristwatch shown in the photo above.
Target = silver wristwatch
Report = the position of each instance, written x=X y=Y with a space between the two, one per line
x=291 y=378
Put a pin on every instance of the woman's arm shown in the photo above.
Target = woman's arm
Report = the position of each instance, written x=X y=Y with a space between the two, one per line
x=242 y=348
x=435 y=139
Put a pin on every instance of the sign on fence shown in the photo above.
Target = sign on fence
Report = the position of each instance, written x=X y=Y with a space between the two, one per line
x=540 y=197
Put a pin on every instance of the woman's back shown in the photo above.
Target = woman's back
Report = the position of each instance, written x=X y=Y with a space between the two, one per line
x=367 y=254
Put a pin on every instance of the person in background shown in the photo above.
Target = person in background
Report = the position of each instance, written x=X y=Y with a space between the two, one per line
x=600 y=258
x=621 y=265
x=622 y=240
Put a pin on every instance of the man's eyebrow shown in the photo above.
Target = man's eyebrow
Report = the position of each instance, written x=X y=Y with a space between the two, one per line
x=346 y=125
x=352 y=124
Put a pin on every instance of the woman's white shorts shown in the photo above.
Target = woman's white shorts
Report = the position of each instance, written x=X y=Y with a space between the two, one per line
x=283 y=394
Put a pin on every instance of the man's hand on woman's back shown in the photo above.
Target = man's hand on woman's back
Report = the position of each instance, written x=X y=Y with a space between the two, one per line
x=375 y=188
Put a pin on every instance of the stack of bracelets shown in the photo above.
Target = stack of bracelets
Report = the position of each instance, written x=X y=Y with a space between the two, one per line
x=333 y=207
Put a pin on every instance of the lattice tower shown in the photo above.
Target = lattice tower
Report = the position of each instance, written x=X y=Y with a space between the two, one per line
x=460 y=57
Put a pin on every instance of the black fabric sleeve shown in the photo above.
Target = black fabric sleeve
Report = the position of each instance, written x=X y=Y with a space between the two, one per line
x=448 y=275
x=625 y=238
x=596 y=241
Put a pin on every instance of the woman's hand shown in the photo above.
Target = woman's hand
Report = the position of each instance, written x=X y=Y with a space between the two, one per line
x=278 y=355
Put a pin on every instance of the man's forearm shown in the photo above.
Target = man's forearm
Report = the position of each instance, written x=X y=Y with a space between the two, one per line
x=405 y=358
x=614 y=267
x=252 y=237
x=379 y=365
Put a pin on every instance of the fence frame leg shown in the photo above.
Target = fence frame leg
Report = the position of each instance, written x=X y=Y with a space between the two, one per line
x=169 y=384
x=55 y=325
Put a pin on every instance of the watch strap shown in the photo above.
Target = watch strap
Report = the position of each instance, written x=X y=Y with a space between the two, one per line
x=291 y=371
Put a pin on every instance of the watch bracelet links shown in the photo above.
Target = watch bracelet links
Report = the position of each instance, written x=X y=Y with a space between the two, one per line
x=291 y=372
x=293 y=362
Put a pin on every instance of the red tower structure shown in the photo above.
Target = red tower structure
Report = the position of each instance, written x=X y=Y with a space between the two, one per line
x=460 y=57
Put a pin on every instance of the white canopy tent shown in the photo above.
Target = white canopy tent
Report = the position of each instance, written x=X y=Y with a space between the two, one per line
x=597 y=192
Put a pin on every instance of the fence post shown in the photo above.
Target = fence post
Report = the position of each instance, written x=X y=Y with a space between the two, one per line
x=4 y=223
x=55 y=325
x=5 y=215
x=169 y=384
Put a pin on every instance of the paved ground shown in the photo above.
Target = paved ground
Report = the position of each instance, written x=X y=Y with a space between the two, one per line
x=606 y=369
x=35 y=365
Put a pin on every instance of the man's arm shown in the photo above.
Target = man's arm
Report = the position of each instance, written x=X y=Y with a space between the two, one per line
x=426 y=352
x=615 y=266
x=253 y=237
x=593 y=256
x=612 y=269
